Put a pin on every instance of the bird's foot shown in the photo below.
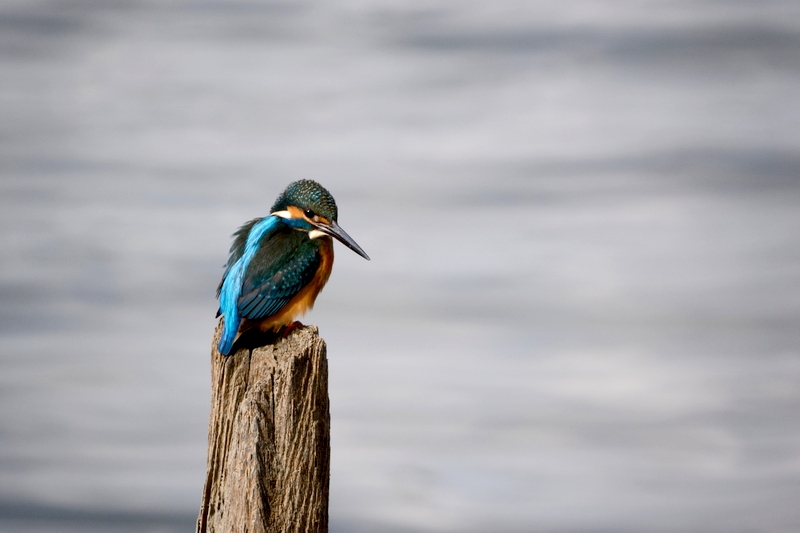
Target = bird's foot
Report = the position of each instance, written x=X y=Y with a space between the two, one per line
x=286 y=330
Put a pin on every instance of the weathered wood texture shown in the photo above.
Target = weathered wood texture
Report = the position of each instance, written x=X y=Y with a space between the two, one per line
x=268 y=438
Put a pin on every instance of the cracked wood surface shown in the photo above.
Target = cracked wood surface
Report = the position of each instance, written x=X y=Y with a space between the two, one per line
x=268 y=438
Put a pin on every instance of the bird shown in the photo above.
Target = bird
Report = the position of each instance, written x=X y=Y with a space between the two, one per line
x=278 y=264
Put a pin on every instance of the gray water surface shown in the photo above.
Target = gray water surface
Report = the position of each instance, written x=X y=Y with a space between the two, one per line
x=582 y=311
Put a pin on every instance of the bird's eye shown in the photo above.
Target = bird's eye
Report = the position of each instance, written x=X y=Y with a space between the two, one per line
x=308 y=213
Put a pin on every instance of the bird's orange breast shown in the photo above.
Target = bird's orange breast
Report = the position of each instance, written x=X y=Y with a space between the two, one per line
x=303 y=300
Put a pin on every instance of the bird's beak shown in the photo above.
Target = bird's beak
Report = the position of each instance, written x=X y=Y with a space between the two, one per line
x=334 y=230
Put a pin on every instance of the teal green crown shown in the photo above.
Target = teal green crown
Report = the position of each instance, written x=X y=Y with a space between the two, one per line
x=308 y=195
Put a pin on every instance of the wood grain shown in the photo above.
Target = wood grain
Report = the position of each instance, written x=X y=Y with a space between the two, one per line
x=268 y=438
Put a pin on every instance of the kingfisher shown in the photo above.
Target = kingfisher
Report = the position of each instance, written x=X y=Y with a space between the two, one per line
x=279 y=264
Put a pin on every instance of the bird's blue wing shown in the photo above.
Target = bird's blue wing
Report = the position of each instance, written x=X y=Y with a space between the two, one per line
x=237 y=249
x=246 y=245
x=285 y=262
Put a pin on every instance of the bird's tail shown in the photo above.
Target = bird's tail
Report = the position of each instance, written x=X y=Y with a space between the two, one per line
x=229 y=331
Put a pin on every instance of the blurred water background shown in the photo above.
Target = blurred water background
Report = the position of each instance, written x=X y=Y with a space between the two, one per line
x=582 y=311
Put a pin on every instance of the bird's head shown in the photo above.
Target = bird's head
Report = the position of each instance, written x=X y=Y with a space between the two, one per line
x=308 y=206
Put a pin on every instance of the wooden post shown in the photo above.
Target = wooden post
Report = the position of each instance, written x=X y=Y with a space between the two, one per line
x=268 y=438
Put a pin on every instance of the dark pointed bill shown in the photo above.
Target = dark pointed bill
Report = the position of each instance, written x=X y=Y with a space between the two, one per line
x=334 y=230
